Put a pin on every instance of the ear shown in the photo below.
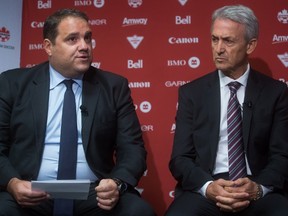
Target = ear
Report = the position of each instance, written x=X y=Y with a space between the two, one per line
x=251 y=46
x=47 y=45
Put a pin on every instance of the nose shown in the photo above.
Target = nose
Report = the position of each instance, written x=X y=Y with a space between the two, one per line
x=84 y=45
x=220 y=47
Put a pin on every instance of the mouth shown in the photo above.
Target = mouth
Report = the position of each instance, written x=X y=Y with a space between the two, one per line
x=83 y=57
x=220 y=59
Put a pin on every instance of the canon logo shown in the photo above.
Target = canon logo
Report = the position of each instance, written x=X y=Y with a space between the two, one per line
x=171 y=194
x=139 y=85
x=36 y=24
x=189 y=40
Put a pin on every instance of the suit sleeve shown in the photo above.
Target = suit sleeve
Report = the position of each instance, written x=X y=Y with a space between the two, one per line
x=183 y=163
x=7 y=171
x=130 y=151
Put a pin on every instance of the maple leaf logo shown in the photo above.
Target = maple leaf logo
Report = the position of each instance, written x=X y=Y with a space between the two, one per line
x=4 y=34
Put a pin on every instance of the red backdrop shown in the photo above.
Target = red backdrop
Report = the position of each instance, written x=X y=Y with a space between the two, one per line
x=158 y=46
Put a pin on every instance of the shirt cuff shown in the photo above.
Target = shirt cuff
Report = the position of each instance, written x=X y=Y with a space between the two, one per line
x=203 y=189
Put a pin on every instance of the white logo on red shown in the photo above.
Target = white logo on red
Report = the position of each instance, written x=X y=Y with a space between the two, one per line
x=41 y=4
x=135 y=40
x=145 y=107
x=135 y=3
x=283 y=16
x=182 y=2
x=99 y=3
x=283 y=58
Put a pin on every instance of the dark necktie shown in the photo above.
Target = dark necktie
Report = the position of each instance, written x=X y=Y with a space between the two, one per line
x=236 y=157
x=68 y=148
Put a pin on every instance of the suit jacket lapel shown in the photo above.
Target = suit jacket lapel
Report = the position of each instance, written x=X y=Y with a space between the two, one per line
x=90 y=95
x=213 y=105
x=252 y=91
x=39 y=101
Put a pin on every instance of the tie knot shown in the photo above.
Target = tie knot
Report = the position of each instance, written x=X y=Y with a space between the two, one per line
x=68 y=83
x=234 y=86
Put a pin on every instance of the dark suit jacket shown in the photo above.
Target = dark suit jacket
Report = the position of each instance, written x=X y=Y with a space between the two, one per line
x=265 y=131
x=109 y=124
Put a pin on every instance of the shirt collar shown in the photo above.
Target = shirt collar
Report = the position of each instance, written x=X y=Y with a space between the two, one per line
x=224 y=80
x=56 y=78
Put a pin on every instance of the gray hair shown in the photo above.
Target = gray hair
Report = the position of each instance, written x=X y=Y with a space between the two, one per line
x=240 y=14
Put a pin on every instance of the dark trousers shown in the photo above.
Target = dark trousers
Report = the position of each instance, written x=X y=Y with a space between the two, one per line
x=130 y=204
x=194 y=204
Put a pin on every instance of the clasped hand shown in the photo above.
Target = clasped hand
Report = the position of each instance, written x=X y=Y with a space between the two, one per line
x=232 y=196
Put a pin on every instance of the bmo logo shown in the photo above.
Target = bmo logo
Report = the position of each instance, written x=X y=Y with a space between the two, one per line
x=135 y=64
x=144 y=107
x=183 y=20
x=193 y=62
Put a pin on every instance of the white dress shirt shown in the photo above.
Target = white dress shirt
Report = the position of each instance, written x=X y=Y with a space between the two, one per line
x=49 y=165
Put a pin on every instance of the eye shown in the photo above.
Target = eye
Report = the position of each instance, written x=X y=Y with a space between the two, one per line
x=229 y=42
x=72 y=39
x=214 y=40
x=88 y=38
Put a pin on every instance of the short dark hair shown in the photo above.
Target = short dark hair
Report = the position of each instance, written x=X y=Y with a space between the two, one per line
x=50 y=29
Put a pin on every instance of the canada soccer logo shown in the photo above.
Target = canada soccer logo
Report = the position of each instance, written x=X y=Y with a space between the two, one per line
x=135 y=3
x=283 y=16
x=4 y=34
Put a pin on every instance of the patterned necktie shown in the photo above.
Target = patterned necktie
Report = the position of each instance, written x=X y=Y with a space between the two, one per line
x=68 y=148
x=236 y=157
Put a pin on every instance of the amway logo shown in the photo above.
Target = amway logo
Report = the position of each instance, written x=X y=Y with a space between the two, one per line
x=283 y=58
x=135 y=41
x=131 y=22
x=280 y=39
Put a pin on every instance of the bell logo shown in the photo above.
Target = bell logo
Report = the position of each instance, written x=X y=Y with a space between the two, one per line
x=135 y=65
x=183 y=21
x=135 y=40
x=44 y=5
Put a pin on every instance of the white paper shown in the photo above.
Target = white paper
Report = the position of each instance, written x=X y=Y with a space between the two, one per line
x=64 y=189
